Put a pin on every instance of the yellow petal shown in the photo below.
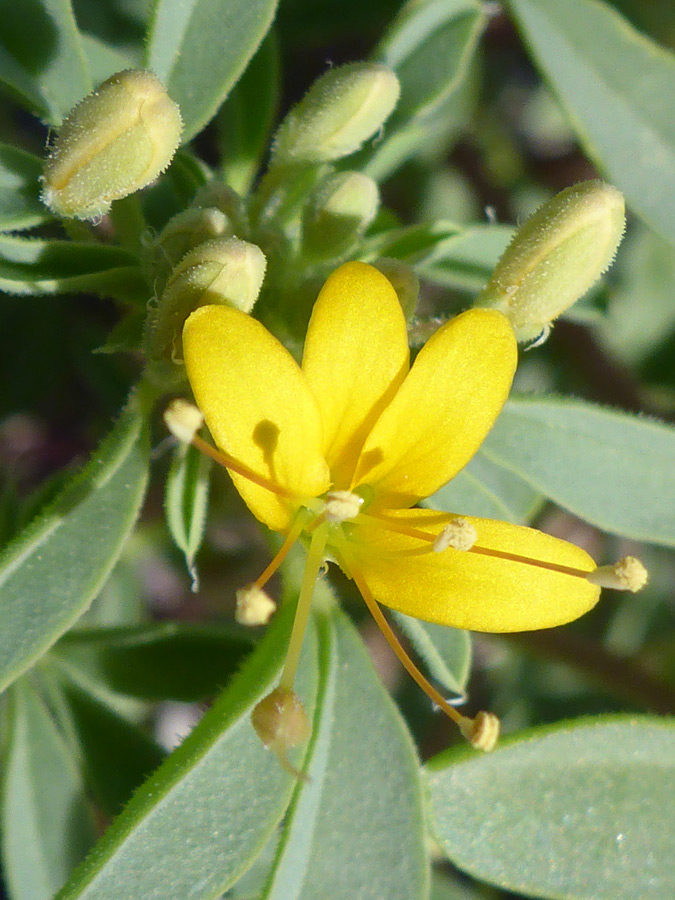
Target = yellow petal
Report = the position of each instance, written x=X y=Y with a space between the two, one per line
x=258 y=407
x=442 y=411
x=356 y=355
x=465 y=588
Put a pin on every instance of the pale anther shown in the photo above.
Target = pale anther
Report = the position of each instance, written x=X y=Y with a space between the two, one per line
x=183 y=420
x=341 y=506
x=482 y=732
x=254 y=606
x=459 y=534
x=628 y=574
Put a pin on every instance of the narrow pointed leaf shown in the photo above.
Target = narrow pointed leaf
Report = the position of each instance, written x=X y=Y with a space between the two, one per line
x=47 y=825
x=580 y=811
x=204 y=816
x=52 y=571
x=37 y=266
x=186 y=501
x=42 y=60
x=613 y=469
x=355 y=826
x=618 y=87
x=199 y=49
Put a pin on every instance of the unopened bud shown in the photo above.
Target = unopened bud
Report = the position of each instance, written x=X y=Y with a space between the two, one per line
x=459 y=534
x=281 y=723
x=114 y=142
x=227 y=200
x=404 y=281
x=628 y=574
x=482 y=732
x=183 y=420
x=254 y=606
x=341 y=110
x=182 y=233
x=226 y=272
x=558 y=254
x=339 y=212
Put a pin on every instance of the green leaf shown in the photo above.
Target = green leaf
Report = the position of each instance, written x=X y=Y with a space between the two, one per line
x=199 y=48
x=641 y=313
x=613 y=469
x=618 y=88
x=485 y=488
x=356 y=824
x=445 y=652
x=186 y=502
x=42 y=60
x=117 y=756
x=244 y=136
x=465 y=260
x=429 y=46
x=158 y=661
x=37 y=266
x=47 y=825
x=413 y=244
x=203 y=817
x=53 y=570
x=20 y=204
x=583 y=810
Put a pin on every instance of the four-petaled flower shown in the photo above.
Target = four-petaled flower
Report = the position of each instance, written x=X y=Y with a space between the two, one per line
x=343 y=448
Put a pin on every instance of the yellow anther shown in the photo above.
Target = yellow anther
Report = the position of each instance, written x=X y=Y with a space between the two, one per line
x=628 y=574
x=254 y=606
x=482 y=732
x=341 y=506
x=459 y=534
x=183 y=420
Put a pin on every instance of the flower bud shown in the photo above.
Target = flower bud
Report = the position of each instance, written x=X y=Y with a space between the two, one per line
x=223 y=197
x=556 y=256
x=404 y=281
x=114 y=142
x=222 y=271
x=184 y=232
x=341 y=110
x=281 y=723
x=339 y=212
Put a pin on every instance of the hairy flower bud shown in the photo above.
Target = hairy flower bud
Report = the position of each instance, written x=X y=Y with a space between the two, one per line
x=556 y=256
x=182 y=233
x=339 y=212
x=114 y=142
x=226 y=271
x=341 y=110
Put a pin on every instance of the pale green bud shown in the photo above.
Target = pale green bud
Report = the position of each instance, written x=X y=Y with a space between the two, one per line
x=558 y=254
x=189 y=229
x=339 y=212
x=223 y=197
x=226 y=271
x=114 y=142
x=404 y=281
x=341 y=110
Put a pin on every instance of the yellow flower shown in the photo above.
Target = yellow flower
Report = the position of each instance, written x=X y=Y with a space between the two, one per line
x=342 y=448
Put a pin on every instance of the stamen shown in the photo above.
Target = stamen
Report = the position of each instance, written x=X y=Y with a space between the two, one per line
x=254 y=606
x=294 y=533
x=315 y=556
x=628 y=574
x=459 y=534
x=341 y=506
x=281 y=723
x=481 y=732
x=233 y=465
